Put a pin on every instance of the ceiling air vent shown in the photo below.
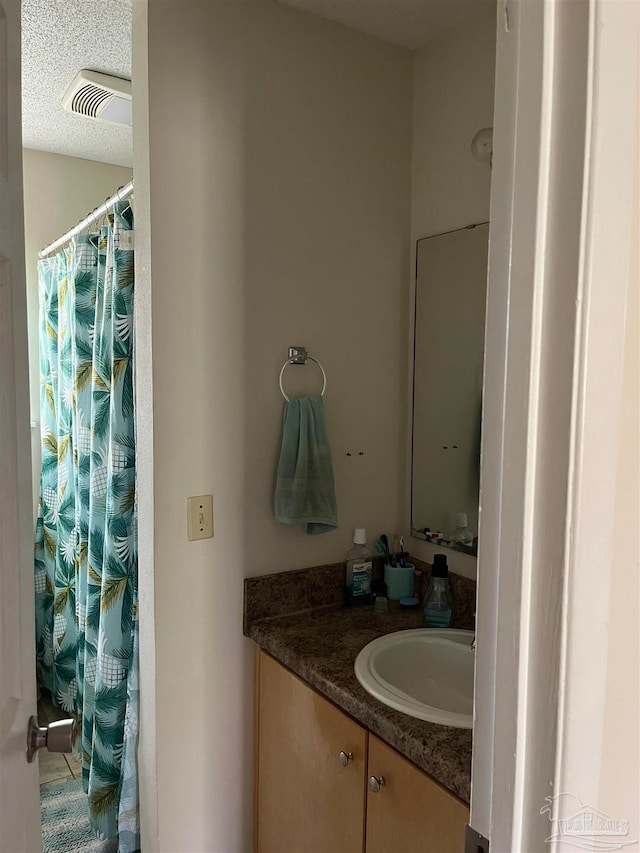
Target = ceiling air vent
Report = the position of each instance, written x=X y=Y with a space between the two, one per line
x=99 y=96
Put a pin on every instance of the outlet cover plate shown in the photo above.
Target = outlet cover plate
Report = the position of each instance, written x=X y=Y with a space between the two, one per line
x=200 y=517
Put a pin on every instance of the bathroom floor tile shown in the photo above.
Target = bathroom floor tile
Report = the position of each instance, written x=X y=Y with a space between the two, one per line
x=75 y=765
x=53 y=767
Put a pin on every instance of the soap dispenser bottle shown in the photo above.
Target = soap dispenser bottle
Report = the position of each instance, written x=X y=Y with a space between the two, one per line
x=359 y=570
x=438 y=601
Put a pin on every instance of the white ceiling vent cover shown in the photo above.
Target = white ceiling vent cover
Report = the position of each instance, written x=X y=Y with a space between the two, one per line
x=99 y=96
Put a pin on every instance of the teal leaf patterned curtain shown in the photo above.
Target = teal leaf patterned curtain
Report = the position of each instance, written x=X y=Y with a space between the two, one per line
x=86 y=532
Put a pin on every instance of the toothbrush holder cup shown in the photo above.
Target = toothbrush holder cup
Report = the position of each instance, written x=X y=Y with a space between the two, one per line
x=399 y=581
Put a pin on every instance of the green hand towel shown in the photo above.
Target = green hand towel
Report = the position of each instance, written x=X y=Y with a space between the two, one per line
x=305 y=491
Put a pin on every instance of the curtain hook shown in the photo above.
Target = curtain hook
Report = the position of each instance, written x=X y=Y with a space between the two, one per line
x=128 y=200
x=90 y=222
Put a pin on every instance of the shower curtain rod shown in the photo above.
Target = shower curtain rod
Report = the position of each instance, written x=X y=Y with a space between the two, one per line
x=123 y=192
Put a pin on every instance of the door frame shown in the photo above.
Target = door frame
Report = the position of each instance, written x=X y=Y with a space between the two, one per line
x=19 y=791
x=565 y=142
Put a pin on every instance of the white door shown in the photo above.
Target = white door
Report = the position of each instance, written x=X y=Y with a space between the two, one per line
x=19 y=793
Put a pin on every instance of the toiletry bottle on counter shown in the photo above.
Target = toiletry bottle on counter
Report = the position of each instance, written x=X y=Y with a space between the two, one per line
x=437 y=601
x=359 y=570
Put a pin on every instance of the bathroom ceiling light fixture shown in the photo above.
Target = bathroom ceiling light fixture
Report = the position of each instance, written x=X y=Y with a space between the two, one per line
x=99 y=96
x=482 y=146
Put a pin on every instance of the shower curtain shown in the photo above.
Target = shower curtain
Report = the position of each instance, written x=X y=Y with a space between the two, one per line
x=86 y=532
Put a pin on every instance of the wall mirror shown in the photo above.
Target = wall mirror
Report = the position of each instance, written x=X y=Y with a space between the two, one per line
x=451 y=288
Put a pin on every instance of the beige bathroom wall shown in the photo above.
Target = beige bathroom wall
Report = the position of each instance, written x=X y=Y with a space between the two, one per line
x=453 y=100
x=278 y=175
x=58 y=192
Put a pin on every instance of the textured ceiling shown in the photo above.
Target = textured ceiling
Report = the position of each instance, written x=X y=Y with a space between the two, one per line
x=59 y=37
x=410 y=23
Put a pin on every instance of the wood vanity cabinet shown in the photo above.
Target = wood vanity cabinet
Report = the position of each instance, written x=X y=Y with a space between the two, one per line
x=307 y=802
x=311 y=799
x=410 y=813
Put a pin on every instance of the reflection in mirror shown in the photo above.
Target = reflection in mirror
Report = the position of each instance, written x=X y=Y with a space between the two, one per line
x=451 y=292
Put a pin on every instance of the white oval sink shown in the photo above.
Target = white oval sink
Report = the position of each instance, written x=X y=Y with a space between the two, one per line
x=426 y=673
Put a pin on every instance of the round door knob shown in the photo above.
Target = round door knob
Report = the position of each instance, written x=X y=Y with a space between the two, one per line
x=375 y=783
x=61 y=735
x=56 y=737
x=345 y=757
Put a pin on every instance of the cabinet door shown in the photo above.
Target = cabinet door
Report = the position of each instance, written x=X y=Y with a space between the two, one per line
x=410 y=813
x=307 y=801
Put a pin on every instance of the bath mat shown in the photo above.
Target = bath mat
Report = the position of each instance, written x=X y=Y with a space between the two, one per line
x=65 y=820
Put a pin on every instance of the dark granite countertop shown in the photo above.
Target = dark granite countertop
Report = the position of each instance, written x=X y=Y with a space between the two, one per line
x=321 y=646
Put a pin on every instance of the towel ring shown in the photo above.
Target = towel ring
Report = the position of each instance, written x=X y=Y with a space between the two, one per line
x=294 y=360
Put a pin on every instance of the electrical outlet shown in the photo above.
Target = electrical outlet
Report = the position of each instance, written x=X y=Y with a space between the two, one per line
x=200 y=517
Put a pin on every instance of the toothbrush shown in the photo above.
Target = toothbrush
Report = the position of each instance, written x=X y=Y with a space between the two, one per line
x=403 y=561
x=385 y=541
